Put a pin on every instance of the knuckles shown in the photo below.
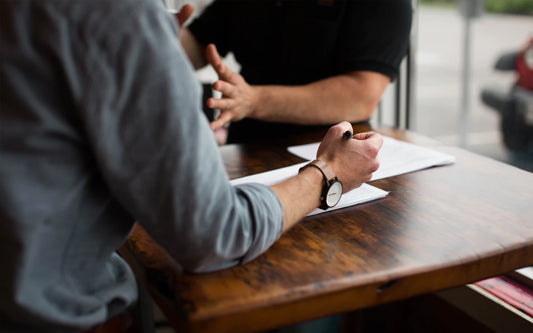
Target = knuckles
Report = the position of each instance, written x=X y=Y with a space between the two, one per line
x=374 y=165
x=372 y=150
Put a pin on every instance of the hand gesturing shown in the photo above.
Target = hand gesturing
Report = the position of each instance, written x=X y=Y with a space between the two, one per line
x=238 y=97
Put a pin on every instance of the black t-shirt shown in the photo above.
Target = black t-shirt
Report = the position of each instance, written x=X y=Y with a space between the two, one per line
x=296 y=42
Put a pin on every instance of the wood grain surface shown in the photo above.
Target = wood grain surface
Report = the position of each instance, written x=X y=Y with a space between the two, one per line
x=438 y=228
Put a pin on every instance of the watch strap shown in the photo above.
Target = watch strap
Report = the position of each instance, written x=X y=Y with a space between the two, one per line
x=328 y=174
x=329 y=179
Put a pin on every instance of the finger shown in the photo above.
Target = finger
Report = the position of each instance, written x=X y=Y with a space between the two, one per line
x=213 y=57
x=227 y=89
x=344 y=126
x=337 y=131
x=222 y=103
x=221 y=121
x=372 y=144
x=363 y=136
x=215 y=60
x=372 y=137
x=376 y=139
x=184 y=14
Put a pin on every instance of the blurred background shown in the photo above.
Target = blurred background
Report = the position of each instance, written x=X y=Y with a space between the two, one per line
x=499 y=27
x=455 y=46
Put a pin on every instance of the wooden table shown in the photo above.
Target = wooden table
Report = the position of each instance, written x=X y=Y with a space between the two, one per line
x=438 y=228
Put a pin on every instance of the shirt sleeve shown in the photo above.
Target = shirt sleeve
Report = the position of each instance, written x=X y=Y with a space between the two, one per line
x=157 y=153
x=374 y=36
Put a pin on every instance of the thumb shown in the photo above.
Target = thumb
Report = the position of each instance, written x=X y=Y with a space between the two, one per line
x=184 y=14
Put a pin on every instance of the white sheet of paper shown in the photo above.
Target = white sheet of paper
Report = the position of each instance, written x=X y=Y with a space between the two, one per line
x=395 y=157
x=362 y=194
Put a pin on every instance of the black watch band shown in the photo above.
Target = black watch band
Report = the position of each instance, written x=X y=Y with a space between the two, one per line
x=331 y=188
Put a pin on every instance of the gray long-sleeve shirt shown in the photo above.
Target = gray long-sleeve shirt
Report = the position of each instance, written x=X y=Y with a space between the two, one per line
x=101 y=126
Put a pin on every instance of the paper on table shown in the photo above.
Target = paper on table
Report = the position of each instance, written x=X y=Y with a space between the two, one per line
x=271 y=177
x=362 y=194
x=395 y=157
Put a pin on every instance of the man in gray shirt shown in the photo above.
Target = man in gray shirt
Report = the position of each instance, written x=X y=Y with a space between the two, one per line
x=101 y=126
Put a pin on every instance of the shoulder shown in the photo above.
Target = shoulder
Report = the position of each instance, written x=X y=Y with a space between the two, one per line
x=103 y=19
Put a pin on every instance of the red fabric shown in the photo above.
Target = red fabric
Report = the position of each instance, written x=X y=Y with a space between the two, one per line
x=524 y=68
x=512 y=292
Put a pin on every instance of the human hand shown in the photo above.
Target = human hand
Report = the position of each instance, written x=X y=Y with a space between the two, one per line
x=353 y=160
x=238 y=97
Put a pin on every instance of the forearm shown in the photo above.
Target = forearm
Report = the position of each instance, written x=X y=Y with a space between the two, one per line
x=352 y=97
x=194 y=50
x=299 y=195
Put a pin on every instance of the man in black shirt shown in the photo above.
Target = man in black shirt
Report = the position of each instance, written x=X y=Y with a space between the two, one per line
x=304 y=63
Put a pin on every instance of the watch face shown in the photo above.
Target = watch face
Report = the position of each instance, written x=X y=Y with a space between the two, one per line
x=334 y=194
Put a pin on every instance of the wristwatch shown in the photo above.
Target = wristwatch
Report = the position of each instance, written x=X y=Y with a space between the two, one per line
x=332 y=187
